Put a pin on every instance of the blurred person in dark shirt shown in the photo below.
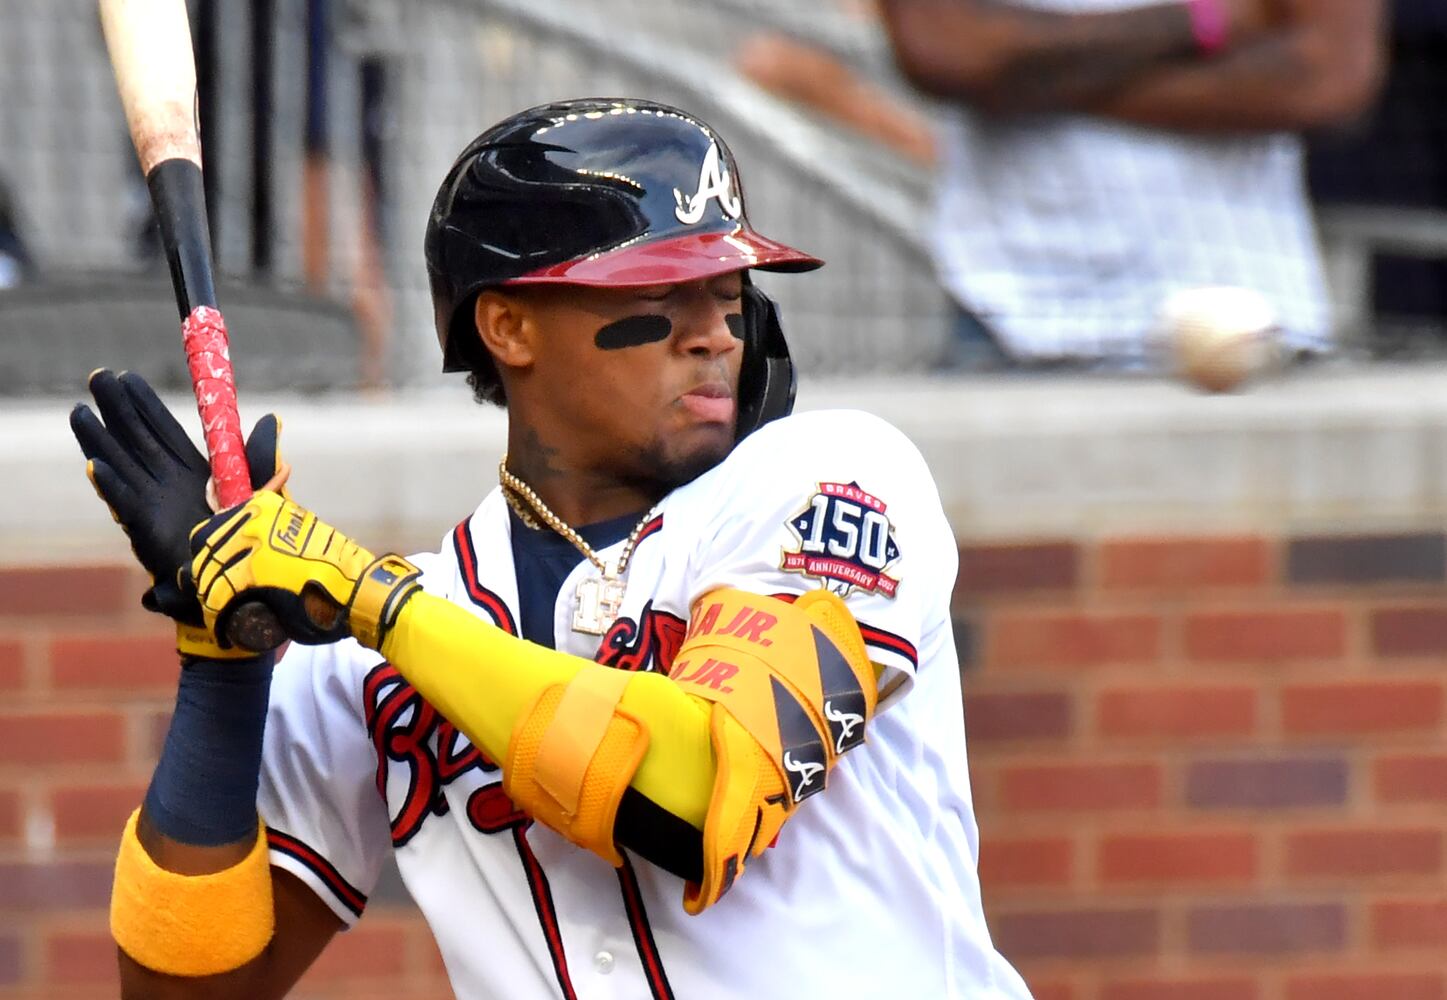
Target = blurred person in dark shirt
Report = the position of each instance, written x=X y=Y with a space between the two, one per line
x=16 y=264
x=1395 y=160
x=1412 y=17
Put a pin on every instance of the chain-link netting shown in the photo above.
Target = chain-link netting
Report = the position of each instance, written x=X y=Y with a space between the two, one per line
x=440 y=72
x=327 y=126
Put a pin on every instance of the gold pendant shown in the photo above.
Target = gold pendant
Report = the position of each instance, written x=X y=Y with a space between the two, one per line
x=596 y=604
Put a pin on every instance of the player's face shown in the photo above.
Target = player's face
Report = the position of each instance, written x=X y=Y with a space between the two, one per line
x=647 y=377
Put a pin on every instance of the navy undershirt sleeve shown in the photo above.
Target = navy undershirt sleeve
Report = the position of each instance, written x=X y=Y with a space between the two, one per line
x=543 y=559
x=203 y=790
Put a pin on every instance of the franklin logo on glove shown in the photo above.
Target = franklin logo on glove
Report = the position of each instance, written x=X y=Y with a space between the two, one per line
x=288 y=534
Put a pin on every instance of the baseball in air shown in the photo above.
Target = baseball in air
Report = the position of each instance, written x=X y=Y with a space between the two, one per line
x=1219 y=336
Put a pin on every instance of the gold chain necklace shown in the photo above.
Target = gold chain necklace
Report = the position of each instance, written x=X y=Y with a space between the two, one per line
x=599 y=598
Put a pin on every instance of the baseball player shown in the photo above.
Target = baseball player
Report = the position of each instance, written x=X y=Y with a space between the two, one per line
x=675 y=712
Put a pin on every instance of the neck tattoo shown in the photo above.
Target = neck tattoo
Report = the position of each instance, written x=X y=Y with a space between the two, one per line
x=599 y=598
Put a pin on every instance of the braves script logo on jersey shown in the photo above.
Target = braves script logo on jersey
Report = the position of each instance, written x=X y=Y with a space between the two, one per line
x=713 y=182
x=419 y=754
x=845 y=539
x=651 y=643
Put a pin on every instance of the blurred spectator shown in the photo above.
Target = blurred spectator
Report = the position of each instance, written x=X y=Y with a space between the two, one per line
x=806 y=74
x=1094 y=158
x=1398 y=160
x=1098 y=158
x=15 y=261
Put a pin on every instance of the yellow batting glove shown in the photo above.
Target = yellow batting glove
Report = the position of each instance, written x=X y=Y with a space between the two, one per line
x=319 y=583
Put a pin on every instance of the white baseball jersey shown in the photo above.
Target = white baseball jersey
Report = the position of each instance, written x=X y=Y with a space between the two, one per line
x=870 y=889
x=1064 y=233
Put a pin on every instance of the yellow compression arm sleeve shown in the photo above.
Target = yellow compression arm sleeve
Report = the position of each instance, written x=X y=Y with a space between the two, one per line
x=762 y=699
x=485 y=680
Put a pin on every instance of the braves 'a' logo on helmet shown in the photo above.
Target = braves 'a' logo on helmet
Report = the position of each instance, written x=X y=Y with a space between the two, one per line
x=713 y=182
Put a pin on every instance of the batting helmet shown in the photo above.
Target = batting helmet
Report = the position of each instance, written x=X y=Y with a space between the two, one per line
x=617 y=193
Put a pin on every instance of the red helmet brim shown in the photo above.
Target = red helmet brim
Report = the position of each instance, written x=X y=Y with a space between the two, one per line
x=673 y=260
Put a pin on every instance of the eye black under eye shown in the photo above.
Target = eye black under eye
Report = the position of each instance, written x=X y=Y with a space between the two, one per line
x=632 y=331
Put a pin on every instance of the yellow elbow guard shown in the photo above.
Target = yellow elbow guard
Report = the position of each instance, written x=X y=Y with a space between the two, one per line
x=573 y=755
x=792 y=689
x=191 y=925
x=780 y=690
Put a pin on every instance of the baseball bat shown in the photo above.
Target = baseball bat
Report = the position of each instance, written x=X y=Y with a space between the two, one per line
x=149 y=42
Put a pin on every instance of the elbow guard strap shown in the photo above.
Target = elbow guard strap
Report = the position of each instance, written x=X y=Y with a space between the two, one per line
x=792 y=689
x=573 y=755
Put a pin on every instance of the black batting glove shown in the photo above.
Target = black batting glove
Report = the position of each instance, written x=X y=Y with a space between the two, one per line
x=153 y=479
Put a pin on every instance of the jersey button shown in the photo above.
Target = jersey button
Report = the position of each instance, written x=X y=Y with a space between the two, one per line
x=603 y=962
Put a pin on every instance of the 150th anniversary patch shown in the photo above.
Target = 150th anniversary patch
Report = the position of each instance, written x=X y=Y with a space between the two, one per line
x=845 y=539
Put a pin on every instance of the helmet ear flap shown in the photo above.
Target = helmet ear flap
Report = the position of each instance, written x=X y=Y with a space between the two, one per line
x=766 y=380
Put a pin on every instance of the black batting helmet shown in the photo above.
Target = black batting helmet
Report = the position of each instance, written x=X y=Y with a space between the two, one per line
x=610 y=192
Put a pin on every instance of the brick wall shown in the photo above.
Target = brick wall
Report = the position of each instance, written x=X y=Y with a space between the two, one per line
x=1212 y=768
x=1206 y=769
x=88 y=679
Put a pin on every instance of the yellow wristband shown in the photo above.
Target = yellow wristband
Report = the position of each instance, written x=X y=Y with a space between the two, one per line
x=191 y=925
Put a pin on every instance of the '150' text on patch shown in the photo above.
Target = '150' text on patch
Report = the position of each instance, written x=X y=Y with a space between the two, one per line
x=845 y=539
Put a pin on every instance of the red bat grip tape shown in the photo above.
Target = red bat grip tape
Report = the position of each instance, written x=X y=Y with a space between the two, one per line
x=208 y=357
